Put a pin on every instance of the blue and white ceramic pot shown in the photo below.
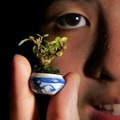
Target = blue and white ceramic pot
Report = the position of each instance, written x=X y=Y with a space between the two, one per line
x=45 y=83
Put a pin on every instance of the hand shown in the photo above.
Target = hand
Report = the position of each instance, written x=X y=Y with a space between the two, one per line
x=62 y=106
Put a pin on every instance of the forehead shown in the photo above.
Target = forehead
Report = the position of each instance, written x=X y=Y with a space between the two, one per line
x=99 y=2
x=58 y=4
x=64 y=1
x=105 y=5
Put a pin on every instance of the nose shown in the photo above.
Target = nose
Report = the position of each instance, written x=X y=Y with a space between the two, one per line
x=104 y=60
x=111 y=60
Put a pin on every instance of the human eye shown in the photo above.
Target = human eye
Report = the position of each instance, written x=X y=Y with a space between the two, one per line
x=72 y=21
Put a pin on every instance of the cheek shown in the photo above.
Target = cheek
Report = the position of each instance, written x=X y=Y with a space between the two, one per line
x=74 y=56
x=67 y=63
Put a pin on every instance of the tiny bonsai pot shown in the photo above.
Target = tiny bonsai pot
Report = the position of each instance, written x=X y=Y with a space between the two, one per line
x=45 y=79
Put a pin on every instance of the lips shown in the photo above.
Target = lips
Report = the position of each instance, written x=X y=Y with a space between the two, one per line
x=113 y=109
x=106 y=111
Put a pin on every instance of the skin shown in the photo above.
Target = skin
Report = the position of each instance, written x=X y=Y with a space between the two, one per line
x=90 y=65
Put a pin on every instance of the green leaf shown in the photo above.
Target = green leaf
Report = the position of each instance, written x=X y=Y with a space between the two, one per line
x=35 y=50
x=23 y=41
x=64 y=39
x=46 y=35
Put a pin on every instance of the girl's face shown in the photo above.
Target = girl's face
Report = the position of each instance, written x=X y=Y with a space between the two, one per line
x=93 y=31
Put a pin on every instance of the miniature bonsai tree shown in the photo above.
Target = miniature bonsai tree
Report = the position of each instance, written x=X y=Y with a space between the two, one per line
x=46 y=51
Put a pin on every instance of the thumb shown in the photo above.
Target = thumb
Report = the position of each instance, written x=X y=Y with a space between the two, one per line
x=63 y=106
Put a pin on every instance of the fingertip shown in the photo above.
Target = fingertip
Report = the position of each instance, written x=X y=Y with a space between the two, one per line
x=72 y=84
x=72 y=76
x=21 y=63
x=20 y=58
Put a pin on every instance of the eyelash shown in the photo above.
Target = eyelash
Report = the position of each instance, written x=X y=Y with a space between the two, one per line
x=72 y=21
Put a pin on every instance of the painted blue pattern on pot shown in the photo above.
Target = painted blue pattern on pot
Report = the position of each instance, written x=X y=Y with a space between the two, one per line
x=49 y=86
x=49 y=80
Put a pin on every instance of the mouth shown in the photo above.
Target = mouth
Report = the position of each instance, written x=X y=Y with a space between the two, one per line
x=113 y=109
x=106 y=111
